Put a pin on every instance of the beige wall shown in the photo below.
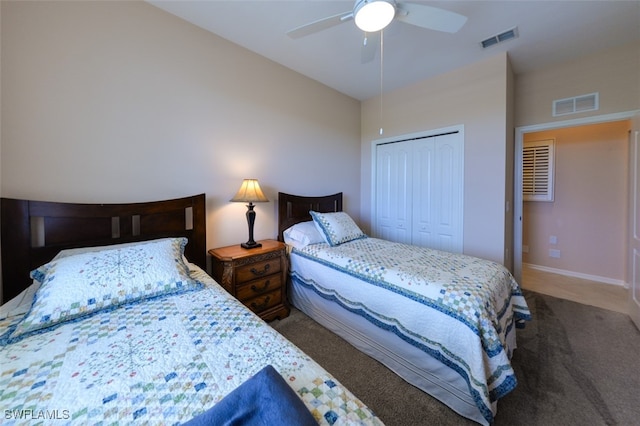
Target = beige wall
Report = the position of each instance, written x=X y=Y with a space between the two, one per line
x=1 y=296
x=509 y=169
x=120 y=101
x=475 y=96
x=589 y=212
x=614 y=73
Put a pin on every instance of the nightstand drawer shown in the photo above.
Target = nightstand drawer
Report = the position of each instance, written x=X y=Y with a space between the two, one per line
x=257 y=287
x=257 y=270
x=257 y=277
x=264 y=302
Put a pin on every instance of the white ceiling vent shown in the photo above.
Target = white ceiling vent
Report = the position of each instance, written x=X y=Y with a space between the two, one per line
x=499 y=38
x=576 y=104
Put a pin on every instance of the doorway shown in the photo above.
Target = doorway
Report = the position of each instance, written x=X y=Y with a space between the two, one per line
x=550 y=239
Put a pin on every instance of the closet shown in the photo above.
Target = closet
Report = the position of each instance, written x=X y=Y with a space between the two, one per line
x=418 y=190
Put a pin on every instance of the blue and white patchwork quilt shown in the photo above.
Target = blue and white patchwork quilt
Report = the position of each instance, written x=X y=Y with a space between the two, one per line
x=162 y=360
x=458 y=309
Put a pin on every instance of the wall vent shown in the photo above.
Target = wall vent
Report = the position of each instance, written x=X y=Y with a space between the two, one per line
x=499 y=38
x=576 y=104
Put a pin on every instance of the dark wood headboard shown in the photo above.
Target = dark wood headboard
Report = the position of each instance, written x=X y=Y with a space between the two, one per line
x=33 y=232
x=294 y=209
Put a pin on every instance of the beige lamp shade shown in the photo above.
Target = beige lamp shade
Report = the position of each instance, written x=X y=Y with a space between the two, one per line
x=250 y=192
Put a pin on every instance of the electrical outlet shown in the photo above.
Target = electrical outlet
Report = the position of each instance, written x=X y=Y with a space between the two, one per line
x=554 y=253
x=553 y=240
x=525 y=249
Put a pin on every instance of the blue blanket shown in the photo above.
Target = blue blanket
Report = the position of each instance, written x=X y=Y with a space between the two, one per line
x=265 y=399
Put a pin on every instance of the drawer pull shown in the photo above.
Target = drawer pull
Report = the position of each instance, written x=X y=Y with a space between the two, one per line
x=257 y=307
x=254 y=271
x=263 y=289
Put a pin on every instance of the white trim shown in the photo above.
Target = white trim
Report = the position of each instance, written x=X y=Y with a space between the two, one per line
x=618 y=116
x=580 y=275
x=517 y=170
x=423 y=134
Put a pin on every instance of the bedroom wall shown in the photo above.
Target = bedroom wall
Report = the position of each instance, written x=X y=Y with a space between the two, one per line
x=509 y=169
x=614 y=73
x=121 y=102
x=1 y=296
x=477 y=97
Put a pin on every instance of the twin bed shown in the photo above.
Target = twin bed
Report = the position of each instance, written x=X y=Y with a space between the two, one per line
x=444 y=322
x=149 y=338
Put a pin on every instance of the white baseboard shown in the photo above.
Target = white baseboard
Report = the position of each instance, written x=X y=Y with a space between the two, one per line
x=589 y=277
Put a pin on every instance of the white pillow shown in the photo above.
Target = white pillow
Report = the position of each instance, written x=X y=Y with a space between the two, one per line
x=85 y=283
x=337 y=228
x=81 y=250
x=302 y=234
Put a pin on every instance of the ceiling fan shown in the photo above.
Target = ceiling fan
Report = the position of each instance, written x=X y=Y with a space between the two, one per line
x=374 y=15
x=371 y=16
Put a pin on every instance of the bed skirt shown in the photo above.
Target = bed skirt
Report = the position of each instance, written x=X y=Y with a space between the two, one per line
x=408 y=362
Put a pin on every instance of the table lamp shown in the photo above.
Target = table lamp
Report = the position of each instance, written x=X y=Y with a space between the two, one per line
x=250 y=192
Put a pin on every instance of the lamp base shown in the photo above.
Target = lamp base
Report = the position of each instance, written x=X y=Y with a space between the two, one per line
x=250 y=245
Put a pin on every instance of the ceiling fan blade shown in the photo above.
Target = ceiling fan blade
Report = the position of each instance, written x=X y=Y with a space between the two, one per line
x=370 y=45
x=319 y=25
x=430 y=17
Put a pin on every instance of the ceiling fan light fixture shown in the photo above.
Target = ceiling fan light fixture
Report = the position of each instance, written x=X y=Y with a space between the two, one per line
x=373 y=15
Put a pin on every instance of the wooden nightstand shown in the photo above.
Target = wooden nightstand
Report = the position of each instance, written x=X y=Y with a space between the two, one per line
x=256 y=277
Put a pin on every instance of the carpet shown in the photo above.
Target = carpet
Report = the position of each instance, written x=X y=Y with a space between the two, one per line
x=575 y=365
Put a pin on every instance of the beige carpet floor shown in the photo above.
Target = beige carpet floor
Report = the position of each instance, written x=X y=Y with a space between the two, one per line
x=575 y=364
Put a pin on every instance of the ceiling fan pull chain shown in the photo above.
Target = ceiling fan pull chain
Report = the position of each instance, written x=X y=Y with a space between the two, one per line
x=381 y=75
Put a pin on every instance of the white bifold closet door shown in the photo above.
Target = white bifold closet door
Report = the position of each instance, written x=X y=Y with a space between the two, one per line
x=419 y=191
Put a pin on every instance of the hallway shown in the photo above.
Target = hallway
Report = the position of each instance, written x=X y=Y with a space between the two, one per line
x=606 y=296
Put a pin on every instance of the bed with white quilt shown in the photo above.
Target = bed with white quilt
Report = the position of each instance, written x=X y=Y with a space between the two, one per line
x=135 y=333
x=444 y=322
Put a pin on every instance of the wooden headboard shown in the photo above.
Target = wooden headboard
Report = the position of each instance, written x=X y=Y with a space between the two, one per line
x=33 y=232
x=294 y=209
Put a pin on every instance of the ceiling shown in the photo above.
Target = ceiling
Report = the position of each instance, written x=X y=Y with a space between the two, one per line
x=549 y=32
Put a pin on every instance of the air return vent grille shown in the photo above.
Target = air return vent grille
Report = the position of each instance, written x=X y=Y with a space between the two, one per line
x=499 y=38
x=576 y=104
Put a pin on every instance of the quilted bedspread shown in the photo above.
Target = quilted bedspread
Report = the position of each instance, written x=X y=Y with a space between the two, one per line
x=161 y=361
x=458 y=309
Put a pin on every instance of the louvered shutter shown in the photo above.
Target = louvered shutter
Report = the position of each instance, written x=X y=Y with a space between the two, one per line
x=537 y=170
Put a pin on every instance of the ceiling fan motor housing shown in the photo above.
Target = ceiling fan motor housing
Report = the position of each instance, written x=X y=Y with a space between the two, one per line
x=373 y=15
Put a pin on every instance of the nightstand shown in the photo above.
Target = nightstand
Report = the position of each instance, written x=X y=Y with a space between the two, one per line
x=256 y=277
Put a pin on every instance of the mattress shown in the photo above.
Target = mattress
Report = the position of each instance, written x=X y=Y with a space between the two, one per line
x=445 y=322
x=162 y=360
